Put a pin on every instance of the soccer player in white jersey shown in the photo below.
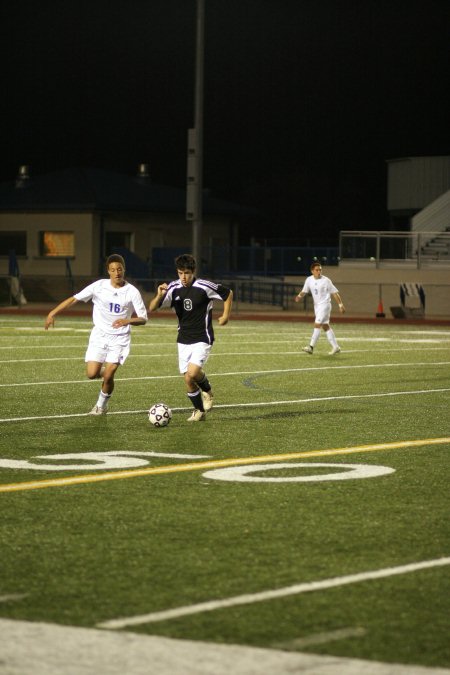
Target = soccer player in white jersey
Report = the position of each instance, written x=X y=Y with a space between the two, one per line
x=114 y=301
x=192 y=300
x=322 y=290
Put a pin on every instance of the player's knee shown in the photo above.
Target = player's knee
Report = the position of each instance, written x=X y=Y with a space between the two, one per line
x=190 y=381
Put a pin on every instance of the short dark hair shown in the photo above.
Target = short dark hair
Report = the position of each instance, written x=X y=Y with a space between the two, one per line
x=186 y=261
x=315 y=264
x=115 y=258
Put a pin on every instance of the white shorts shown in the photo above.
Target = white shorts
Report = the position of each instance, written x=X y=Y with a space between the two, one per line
x=197 y=353
x=323 y=313
x=107 y=348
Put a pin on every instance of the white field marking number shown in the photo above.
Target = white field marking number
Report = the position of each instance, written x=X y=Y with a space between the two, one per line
x=129 y=459
x=101 y=461
x=240 y=473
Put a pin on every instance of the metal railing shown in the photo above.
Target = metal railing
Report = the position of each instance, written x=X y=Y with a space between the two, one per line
x=51 y=290
x=250 y=261
x=384 y=248
x=361 y=297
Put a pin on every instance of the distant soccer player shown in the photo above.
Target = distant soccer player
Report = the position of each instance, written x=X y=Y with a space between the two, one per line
x=192 y=301
x=322 y=290
x=114 y=300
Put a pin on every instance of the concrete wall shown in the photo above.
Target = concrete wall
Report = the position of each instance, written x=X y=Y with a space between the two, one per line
x=148 y=230
x=362 y=288
x=414 y=182
x=82 y=224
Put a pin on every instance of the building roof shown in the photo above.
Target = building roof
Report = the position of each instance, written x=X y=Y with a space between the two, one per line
x=90 y=189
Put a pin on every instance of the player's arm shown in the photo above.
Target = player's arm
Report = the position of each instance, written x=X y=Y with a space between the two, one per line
x=140 y=318
x=156 y=300
x=50 y=320
x=338 y=299
x=137 y=321
x=132 y=321
x=299 y=296
x=227 y=304
x=303 y=292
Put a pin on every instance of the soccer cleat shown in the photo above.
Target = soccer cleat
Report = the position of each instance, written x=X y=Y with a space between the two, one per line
x=197 y=416
x=335 y=350
x=308 y=349
x=207 y=399
x=96 y=410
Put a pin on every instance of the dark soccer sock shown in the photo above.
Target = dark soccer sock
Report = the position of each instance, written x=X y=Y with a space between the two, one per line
x=196 y=399
x=204 y=384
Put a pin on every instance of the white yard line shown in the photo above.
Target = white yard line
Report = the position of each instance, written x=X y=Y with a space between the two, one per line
x=238 y=405
x=321 y=638
x=35 y=360
x=425 y=364
x=215 y=355
x=12 y=597
x=264 y=596
x=79 y=345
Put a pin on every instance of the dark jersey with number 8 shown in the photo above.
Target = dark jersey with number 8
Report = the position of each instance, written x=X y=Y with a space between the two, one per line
x=193 y=306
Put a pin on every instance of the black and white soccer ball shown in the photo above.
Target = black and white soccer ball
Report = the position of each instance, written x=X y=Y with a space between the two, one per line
x=160 y=415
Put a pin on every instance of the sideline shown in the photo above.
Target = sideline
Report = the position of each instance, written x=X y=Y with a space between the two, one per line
x=214 y=464
x=63 y=650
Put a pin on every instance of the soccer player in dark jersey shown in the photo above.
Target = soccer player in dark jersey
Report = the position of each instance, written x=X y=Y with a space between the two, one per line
x=192 y=300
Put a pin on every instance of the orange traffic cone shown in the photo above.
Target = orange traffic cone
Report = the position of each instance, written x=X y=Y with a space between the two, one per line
x=380 y=311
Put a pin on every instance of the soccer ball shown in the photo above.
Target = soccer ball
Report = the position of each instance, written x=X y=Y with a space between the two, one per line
x=160 y=415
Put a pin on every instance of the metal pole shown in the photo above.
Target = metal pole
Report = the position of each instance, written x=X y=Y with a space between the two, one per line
x=194 y=202
x=378 y=253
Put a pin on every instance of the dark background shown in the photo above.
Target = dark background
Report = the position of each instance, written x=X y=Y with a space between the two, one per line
x=305 y=100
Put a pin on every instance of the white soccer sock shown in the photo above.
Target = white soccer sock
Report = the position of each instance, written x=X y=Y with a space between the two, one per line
x=315 y=336
x=103 y=399
x=332 y=338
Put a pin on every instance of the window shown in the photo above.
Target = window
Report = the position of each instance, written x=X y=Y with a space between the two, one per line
x=13 y=241
x=114 y=240
x=57 y=244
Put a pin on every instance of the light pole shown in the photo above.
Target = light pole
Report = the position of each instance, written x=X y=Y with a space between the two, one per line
x=194 y=188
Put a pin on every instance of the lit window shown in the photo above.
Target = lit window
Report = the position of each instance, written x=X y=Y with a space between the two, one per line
x=57 y=244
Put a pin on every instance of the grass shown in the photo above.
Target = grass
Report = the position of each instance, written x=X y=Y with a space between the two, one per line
x=87 y=553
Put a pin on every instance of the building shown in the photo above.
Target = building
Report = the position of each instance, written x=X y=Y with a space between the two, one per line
x=72 y=219
x=413 y=184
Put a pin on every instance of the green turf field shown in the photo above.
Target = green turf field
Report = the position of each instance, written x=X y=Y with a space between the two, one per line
x=129 y=521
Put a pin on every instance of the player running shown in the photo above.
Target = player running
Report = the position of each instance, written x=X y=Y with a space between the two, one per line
x=192 y=300
x=114 y=300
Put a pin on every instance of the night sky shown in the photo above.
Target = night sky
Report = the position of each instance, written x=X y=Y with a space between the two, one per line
x=304 y=99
